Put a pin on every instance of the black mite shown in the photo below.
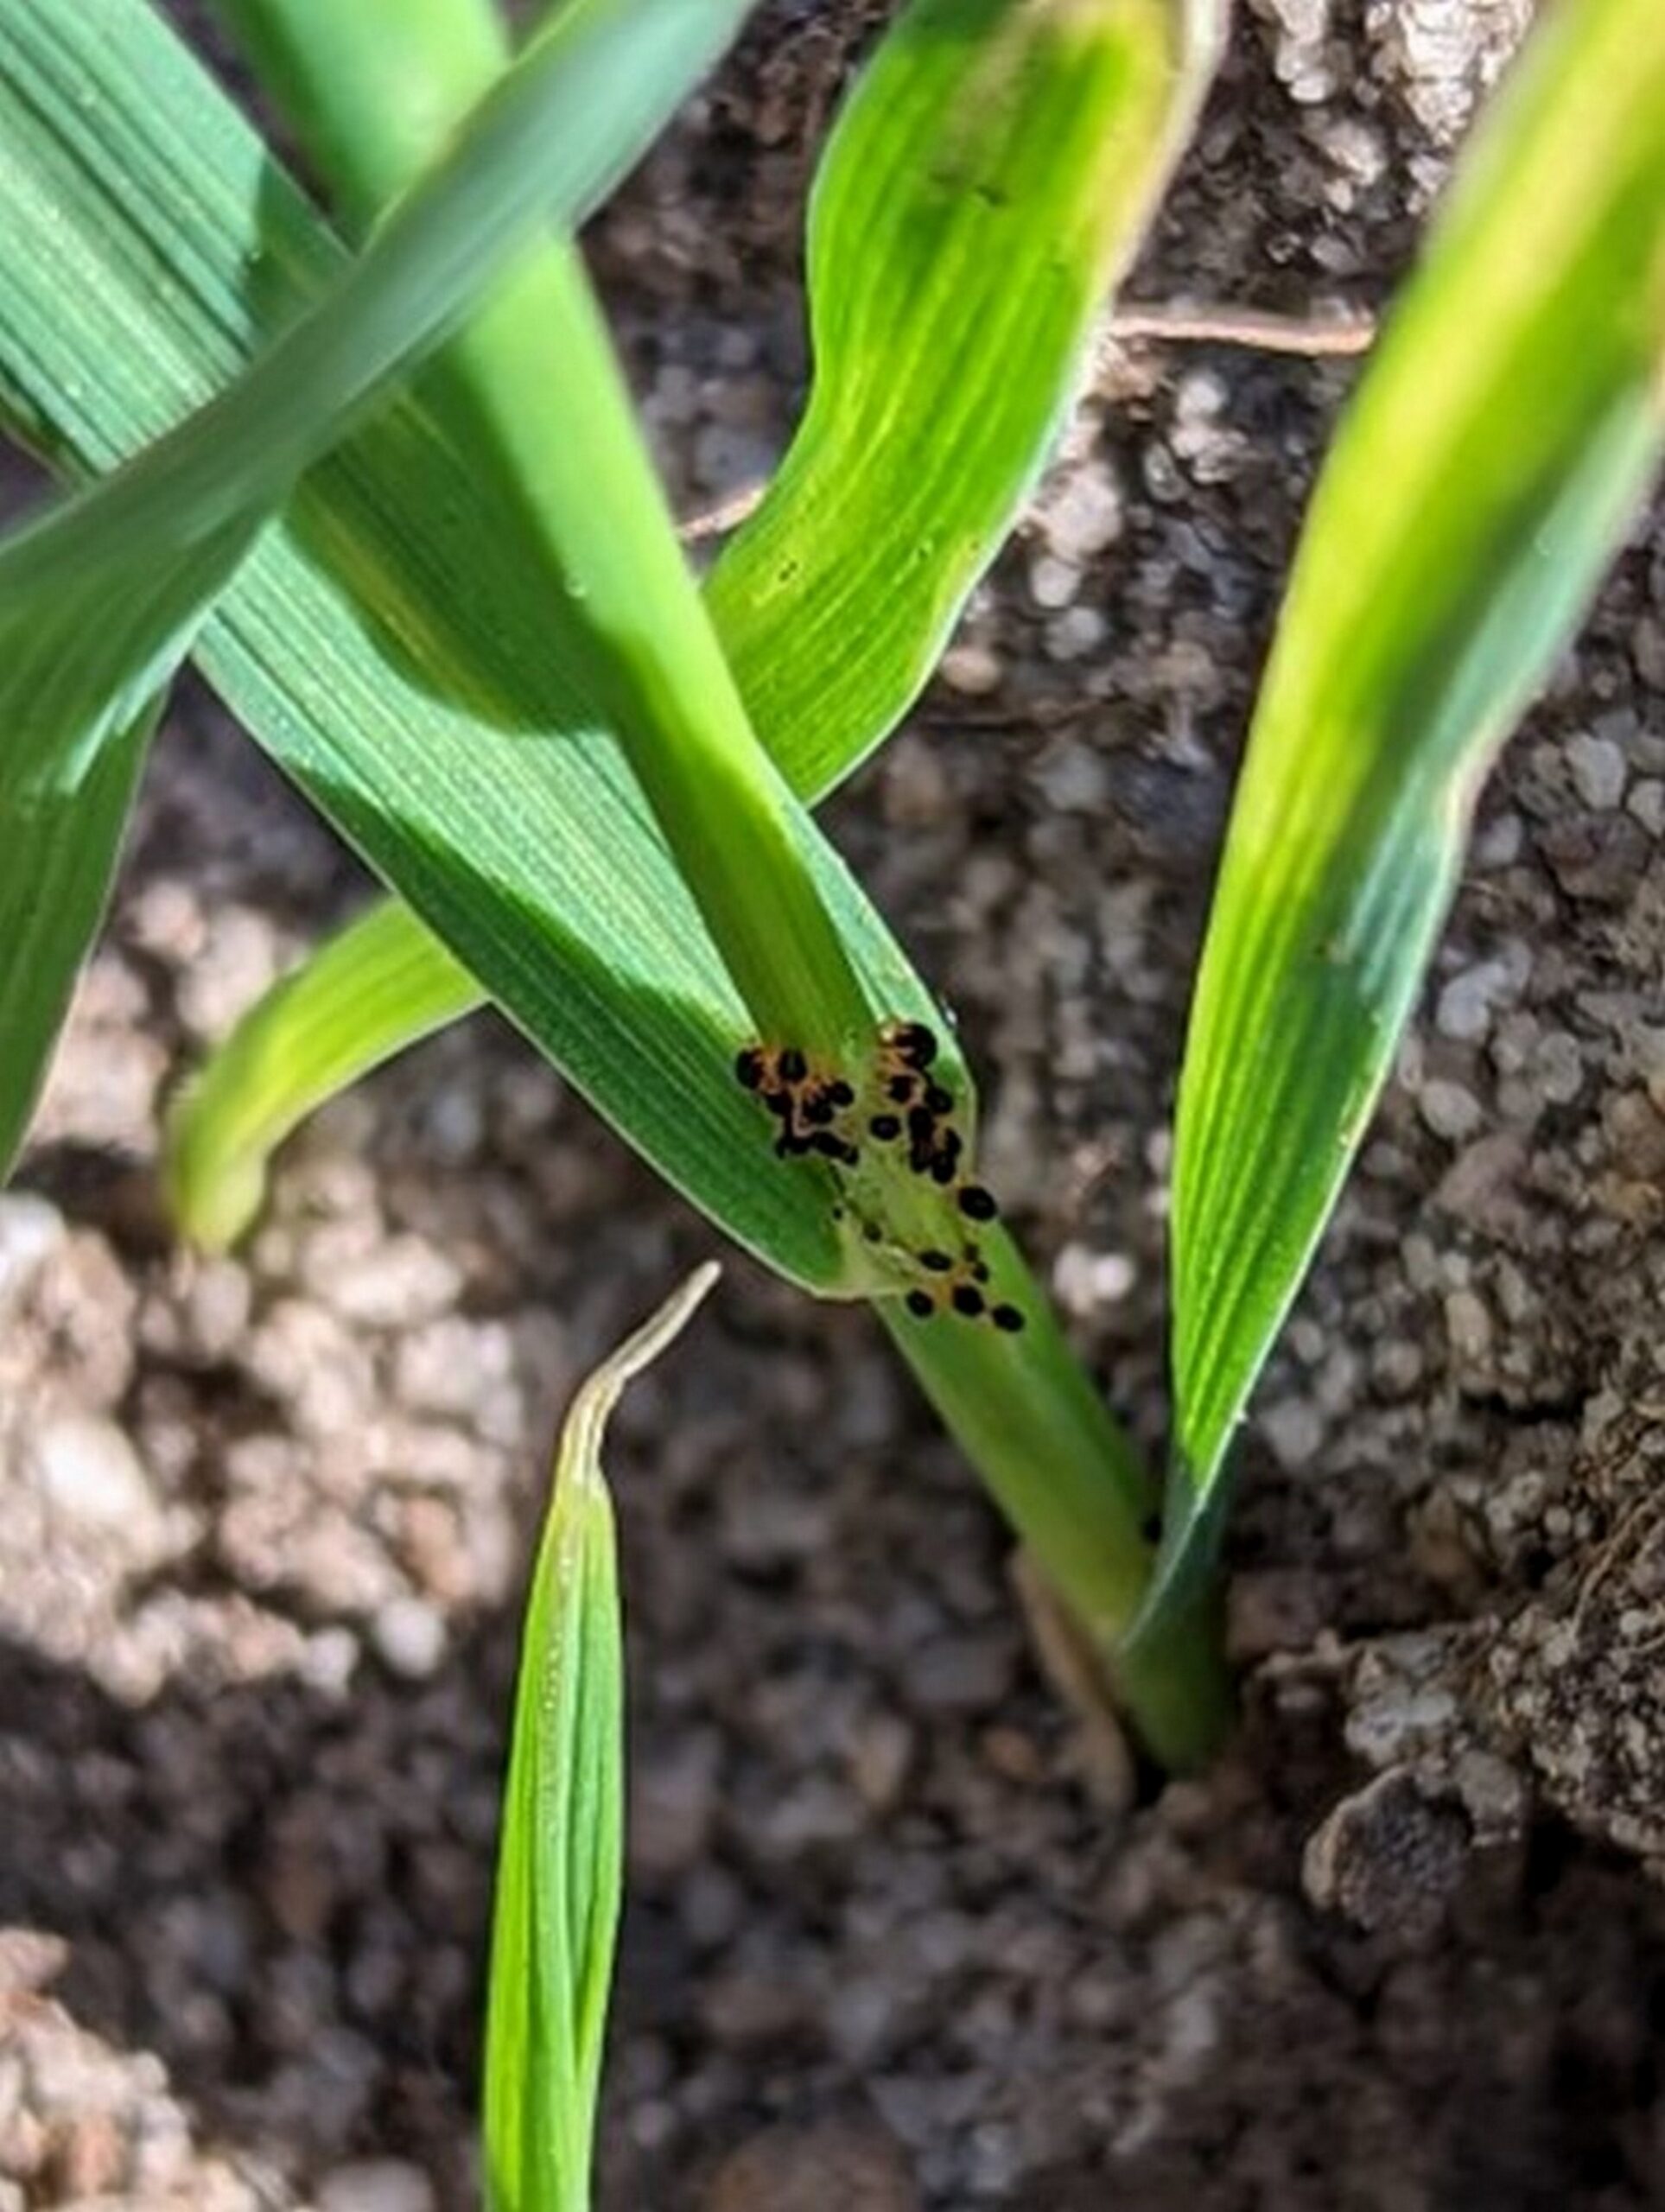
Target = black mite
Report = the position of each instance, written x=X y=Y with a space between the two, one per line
x=901 y=1088
x=938 y=1262
x=886 y=1127
x=920 y=1304
x=749 y=1068
x=911 y=1041
x=793 y=1065
x=1006 y=1317
x=938 y=1100
x=966 y=1299
x=977 y=1204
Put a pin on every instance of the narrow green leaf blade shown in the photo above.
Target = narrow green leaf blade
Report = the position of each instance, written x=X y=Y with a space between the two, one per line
x=559 y=1858
x=371 y=991
x=384 y=642
x=53 y=891
x=101 y=598
x=1500 y=442
x=954 y=275
x=986 y=186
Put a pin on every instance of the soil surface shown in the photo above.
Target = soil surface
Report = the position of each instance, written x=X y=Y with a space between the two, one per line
x=896 y=1939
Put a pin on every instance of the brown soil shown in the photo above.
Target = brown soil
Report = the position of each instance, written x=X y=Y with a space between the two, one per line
x=263 y=1521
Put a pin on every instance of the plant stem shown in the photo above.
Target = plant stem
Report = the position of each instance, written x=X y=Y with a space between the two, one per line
x=531 y=388
x=1067 y=1477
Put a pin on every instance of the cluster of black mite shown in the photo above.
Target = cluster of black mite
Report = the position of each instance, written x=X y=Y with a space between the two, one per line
x=816 y=1112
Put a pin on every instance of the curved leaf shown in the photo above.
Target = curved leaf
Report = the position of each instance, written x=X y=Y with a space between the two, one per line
x=987 y=185
x=560 y=1857
x=988 y=182
x=1500 y=443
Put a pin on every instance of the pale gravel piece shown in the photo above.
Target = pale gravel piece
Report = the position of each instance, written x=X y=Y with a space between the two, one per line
x=1304 y=61
x=1443 y=54
x=1451 y=1110
x=1139 y=2001
x=1084 y=1279
x=91 y=1479
x=1468 y=1327
x=376 y=2185
x=241 y=959
x=1468 y=1002
x=1076 y=632
x=1294 y=1429
x=973 y=670
x=1073 y=780
x=1079 y=512
x=106 y=1073
x=1599 y=769
x=1558 y=1069
x=30 y=1229
x=1053 y=582
x=410 y=1635
x=399 y=1285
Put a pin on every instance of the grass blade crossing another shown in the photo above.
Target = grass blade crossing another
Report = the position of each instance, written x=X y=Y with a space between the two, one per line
x=392 y=648
x=103 y=597
x=832 y=602
x=1500 y=443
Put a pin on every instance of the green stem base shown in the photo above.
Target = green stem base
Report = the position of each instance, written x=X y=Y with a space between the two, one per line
x=1069 y=1481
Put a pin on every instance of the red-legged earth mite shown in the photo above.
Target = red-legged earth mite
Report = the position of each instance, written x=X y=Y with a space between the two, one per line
x=911 y=1042
x=807 y=1104
x=811 y=1105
